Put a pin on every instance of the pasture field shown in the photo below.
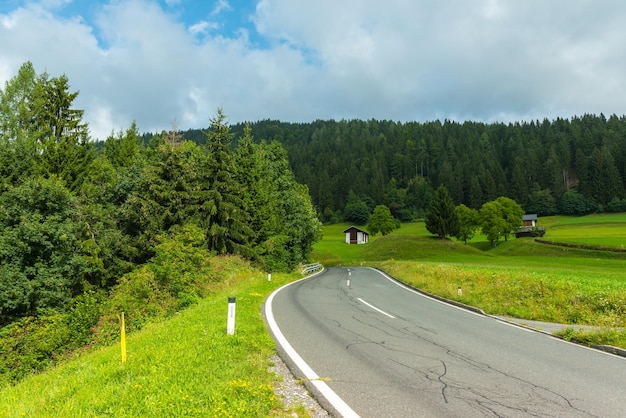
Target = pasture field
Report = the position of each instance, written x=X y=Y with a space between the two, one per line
x=603 y=230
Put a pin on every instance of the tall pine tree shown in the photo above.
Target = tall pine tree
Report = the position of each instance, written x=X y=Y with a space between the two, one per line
x=223 y=212
x=441 y=218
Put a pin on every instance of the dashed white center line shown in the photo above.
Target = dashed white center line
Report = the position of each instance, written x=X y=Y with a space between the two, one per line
x=376 y=309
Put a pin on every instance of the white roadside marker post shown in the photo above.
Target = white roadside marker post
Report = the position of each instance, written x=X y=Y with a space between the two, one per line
x=230 y=328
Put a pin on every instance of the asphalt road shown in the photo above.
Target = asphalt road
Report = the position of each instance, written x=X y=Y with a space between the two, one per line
x=374 y=348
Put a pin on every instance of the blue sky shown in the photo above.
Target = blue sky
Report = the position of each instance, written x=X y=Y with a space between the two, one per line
x=161 y=62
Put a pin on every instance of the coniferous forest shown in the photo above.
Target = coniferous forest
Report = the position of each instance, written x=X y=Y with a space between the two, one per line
x=570 y=166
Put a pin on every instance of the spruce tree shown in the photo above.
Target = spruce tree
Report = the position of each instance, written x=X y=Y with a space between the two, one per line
x=441 y=218
x=61 y=136
x=223 y=213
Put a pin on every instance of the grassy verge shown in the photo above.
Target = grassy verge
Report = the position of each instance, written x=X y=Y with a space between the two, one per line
x=186 y=366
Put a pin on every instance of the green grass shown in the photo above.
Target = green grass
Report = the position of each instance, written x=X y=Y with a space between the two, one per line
x=186 y=366
x=603 y=230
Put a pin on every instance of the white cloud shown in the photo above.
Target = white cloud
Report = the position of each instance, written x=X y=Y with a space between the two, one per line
x=220 y=6
x=202 y=28
x=400 y=59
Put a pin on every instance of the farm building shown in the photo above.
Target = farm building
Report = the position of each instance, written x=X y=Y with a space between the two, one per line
x=355 y=235
x=529 y=227
x=530 y=219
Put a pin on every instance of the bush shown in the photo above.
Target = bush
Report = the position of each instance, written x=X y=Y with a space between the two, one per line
x=181 y=272
x=31 y=344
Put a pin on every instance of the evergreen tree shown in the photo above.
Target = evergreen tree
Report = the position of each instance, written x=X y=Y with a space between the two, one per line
x=62 y=138
x=223 y=213
x=441 y=218
x=542 y=203
x=16 y=104
x=124 y=148
x=17 y=147
x=168 y=192
x=282 y=218
x=356 y=210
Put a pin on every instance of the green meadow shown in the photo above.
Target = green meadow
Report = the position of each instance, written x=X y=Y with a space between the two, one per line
x=189 y=366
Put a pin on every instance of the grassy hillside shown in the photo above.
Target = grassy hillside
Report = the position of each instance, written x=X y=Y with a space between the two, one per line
x=186 y=366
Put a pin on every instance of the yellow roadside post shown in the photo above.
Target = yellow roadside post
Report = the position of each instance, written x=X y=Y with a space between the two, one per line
x=123 y=338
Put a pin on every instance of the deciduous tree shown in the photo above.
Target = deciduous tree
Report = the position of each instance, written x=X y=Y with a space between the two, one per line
x=468 y=222
x=381 y=220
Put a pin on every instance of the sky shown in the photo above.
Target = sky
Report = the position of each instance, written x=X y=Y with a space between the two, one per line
x=173 y=63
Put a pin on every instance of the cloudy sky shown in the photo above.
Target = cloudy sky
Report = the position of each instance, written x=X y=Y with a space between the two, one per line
x=162 y=61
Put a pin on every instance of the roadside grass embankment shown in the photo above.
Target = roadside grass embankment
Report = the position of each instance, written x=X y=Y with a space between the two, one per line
x=519 y=278
x=184 y=366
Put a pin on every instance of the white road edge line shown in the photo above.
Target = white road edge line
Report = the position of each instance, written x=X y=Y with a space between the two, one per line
x=386 y=276
x=339 y=404
x=397 y=283
x=376 y=309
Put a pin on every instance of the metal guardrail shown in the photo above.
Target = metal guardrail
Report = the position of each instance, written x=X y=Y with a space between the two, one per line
x=310 y=268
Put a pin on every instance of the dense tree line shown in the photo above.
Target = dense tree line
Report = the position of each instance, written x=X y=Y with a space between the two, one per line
x=564 y=166
x=76 y=216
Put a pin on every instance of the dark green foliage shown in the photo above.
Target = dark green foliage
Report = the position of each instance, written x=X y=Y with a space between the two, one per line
x=574 y=203
x=169 y=191
x=356 y=210
x=542 y=203
x=477 y=162
x=222 y=210
x=616 y=205
x=40 y=255
x=282 y=219
x=123 y=149
x=78 y=221
x=441 y=218
x=61 y=137
x=381 y=220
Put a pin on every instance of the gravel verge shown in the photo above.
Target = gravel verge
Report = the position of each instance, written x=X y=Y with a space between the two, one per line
x=292 y=392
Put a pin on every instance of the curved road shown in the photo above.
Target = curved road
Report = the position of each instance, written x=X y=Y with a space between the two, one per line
x=371 y=347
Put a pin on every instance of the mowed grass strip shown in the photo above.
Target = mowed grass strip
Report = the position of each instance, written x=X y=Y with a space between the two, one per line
x=602 y=230
x=186 y=366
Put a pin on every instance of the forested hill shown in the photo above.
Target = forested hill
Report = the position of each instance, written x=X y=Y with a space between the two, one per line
x=568 y=166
